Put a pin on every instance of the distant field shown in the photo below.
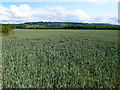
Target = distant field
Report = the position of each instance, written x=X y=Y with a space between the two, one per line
x=60 y=58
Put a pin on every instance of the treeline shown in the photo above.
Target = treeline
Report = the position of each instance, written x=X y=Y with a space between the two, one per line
x=99 y=27
x=66 y=25
x=41 y=25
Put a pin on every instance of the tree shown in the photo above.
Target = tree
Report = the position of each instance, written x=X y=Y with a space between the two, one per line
x=7 y=29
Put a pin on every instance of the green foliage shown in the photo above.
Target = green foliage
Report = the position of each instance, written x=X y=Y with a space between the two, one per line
x=99 y=27
x=62 y=59
x=7 y=29
x=65 y=25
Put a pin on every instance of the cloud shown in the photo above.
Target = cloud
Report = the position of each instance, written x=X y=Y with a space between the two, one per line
x=24 y=13
x=4 y=13
x=21 y=11
x=104 y=18
x=58 y=13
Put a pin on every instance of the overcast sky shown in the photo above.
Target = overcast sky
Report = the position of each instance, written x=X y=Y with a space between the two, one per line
x=88 y=11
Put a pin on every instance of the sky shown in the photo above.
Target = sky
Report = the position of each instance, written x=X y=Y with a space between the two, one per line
x=86 y=11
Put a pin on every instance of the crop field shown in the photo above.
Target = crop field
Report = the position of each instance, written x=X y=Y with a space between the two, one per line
x=60 y=59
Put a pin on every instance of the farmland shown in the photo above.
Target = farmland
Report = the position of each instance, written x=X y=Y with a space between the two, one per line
x=60 y=59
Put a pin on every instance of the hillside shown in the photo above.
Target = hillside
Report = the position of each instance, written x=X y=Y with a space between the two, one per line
x=66 y=25
x=42 y=25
